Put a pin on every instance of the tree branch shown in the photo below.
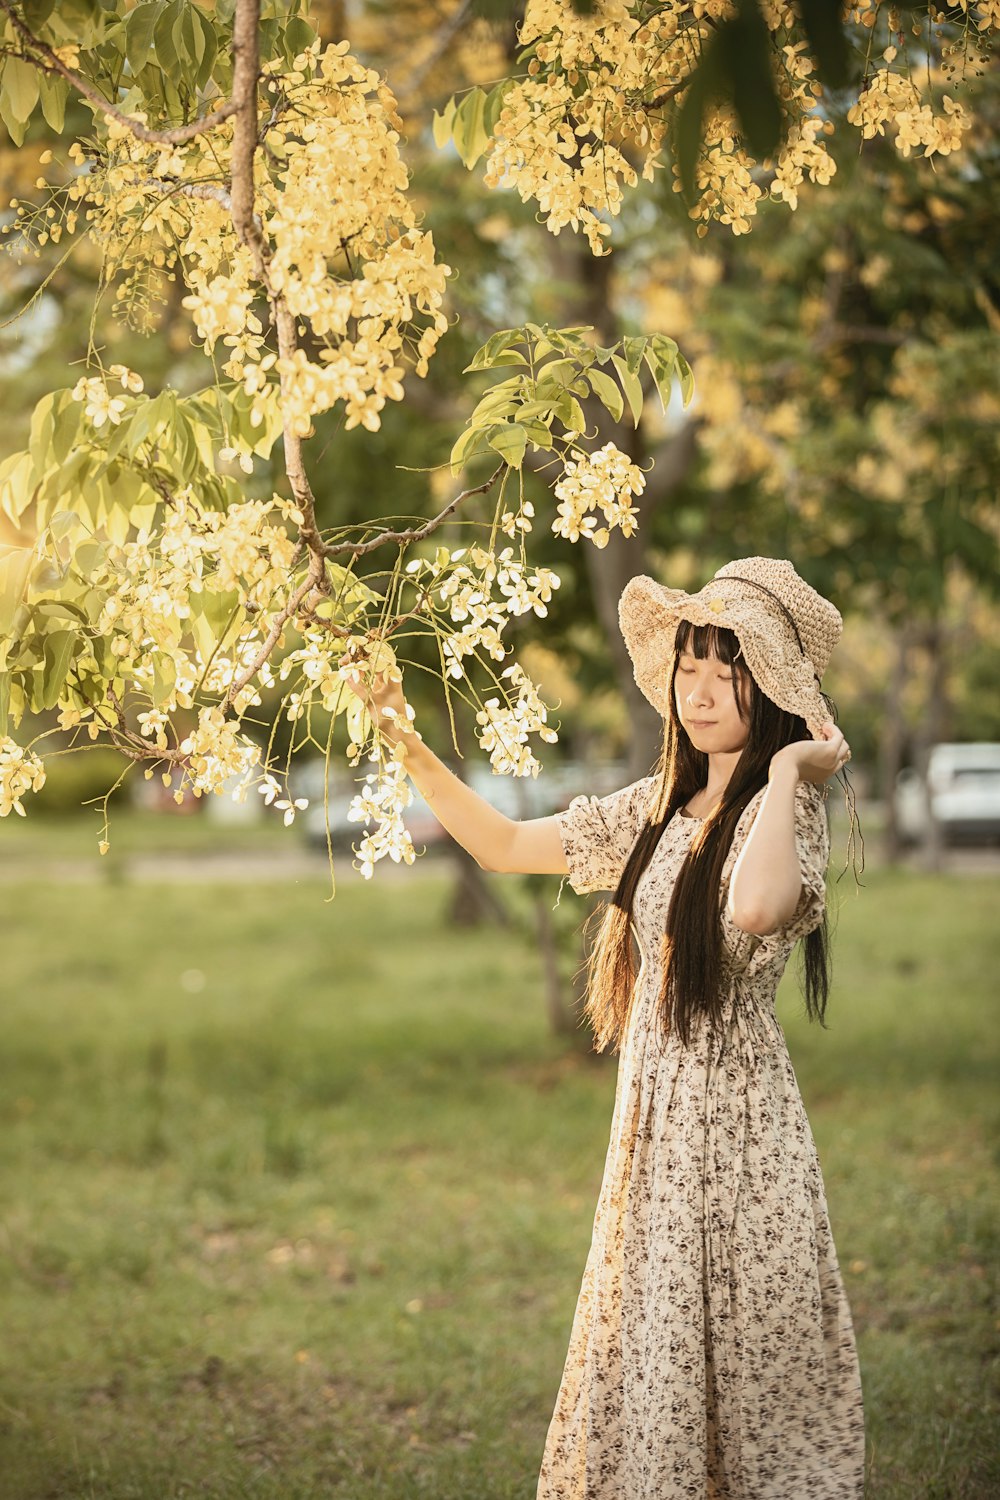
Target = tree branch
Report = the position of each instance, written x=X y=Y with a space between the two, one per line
x=47 y=61
x=439 y=46
x=313 y=580
x=417 y=533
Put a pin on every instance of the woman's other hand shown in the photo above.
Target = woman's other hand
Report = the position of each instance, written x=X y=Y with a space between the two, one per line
x=816 y=760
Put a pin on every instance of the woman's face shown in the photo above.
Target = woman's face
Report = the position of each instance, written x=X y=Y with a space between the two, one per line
x=705 y=695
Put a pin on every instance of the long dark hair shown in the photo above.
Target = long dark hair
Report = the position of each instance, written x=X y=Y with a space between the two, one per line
x=692 y=944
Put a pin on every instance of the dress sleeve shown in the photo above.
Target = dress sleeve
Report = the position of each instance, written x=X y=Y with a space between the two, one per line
x=598 y=834
x=812 y=841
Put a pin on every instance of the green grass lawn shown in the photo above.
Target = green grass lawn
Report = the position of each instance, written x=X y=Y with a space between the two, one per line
x=297 y=1195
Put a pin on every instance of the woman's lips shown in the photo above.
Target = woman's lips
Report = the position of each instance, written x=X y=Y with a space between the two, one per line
x=701 y=723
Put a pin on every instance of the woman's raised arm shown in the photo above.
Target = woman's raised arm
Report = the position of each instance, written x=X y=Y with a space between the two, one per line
x=529 y=847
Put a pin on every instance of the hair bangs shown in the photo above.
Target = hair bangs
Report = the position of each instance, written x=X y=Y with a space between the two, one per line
x=707 y=640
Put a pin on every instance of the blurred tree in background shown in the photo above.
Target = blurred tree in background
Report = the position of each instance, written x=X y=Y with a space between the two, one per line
x=846 y=357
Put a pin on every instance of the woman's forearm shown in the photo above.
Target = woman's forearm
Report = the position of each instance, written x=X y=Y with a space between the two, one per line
x=486 y=833
x=766 y=881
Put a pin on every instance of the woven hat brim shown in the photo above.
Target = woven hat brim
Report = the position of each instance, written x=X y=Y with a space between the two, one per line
x=649 y=614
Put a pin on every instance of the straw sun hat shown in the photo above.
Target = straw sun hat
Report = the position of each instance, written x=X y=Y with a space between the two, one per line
x=786 y=629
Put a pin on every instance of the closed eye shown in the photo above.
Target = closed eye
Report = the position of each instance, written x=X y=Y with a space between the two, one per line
x=686 y=671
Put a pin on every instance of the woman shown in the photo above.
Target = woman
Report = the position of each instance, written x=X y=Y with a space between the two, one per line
x=712 y=1354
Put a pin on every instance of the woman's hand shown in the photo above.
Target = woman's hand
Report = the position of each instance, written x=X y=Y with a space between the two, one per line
x=816 y=760
x=382 y=693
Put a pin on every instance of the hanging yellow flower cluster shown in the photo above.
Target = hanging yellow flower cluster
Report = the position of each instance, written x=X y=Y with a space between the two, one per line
x=592 y=116
x=340 y=240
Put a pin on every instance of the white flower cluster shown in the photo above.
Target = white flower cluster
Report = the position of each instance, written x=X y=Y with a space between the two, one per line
x=223 y=669
x=604 y=481
x=504 y=730
x=468 y=594
x=150 y=583
x=20 y=771
x=100 y=405
x=269 y=788
x=385 y=796
x=216 y=750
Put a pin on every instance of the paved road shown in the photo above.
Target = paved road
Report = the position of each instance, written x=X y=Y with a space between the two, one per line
x=247 y=867
x=178 y=868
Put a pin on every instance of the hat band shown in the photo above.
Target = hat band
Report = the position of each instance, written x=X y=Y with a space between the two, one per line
x=738 y=577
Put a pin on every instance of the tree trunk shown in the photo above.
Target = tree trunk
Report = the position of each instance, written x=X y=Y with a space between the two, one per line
x=931 y=733
x=473 y=899
x=892 y=742
x=587 y=300
x=558 y=1006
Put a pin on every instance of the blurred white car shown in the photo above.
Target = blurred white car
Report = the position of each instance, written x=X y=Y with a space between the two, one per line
x=963 y=791
x=517 y=796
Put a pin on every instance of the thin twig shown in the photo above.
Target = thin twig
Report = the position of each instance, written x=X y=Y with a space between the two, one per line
x=281 y=619
x=416 y=533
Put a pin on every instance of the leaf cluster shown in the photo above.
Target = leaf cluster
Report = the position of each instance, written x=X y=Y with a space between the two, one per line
x=558 y=369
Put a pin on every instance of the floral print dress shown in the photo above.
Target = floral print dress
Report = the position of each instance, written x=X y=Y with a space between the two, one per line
x=712 y=1354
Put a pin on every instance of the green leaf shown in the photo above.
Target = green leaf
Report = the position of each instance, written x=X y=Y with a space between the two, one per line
x=148 y=420
x=183 y=451
x=634 y=349
x=546 y=409
x=664 y=346
x=4 y=702
x=164 y=678
x=37 y=12
x=73 y=478
x=139 y=28
x=558 y=374
x=190 y=43
x=538 y=434
x=686 y=377
x=510 y=442
x=469 y=127
x=212 y=620
x=62 y=523
x=688 y=129
x=464 y=448
x=61 y=608
x=349 y=597
x=210 y=51
x=20 y=87
x=53 y=93
x=494 y=104
x=661 y=367
x=59 y=646
x=500 y=400
x=296 y=37
x=18 y=483
x=41 y=432
x=570 y=413
x=165 y=40
x=15 y=564
x=606 y=390
x=631 y=385
x=497 y=350
x=117 y=523
x=443 y=123
x=743 y=42
x=79 y=21
x=64 y=433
